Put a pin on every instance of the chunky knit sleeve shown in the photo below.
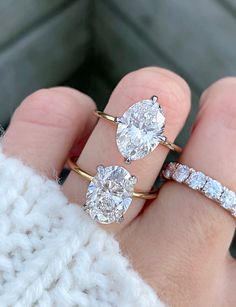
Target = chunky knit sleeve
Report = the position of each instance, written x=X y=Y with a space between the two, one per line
x=52 y=254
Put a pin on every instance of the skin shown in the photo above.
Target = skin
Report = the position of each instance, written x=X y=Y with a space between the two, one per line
x=179 y=242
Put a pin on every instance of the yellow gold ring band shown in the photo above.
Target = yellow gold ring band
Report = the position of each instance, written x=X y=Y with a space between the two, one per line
x=75 y=167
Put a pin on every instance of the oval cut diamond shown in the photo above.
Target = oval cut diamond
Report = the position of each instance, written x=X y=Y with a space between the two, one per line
x=109 y=194
x=139 y=129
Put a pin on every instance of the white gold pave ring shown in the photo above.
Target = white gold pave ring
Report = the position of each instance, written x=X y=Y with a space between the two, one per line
x=140 y=129
x=110 y=192
x=208 y=186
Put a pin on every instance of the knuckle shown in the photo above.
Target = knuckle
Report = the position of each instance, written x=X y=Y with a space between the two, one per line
x=226 y=81
x=155 y=75
x=172 y=90
x=172 y=75
x=217 y=89
x=47 y=107
x=218 y=101
x=39 y=95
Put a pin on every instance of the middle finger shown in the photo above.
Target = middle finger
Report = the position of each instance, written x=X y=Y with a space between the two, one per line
x=174 y=97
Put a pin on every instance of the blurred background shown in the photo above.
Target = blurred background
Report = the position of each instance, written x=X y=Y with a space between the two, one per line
x=91 y=44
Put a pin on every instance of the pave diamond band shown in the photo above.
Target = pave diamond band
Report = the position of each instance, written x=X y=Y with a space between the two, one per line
x=208 y=186
x=140 y=129
x=110 y=192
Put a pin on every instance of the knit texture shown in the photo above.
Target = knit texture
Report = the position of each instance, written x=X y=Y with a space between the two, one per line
x=53 y=254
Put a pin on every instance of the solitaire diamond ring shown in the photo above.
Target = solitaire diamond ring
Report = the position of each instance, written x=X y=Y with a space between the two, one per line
x=140 y=129
x=110 y=192
x=208 y=186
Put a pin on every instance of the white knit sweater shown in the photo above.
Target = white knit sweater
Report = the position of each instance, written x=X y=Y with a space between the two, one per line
x=52 y=254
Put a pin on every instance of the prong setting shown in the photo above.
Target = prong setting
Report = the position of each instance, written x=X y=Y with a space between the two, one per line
x=121 y=219
x=85 y=207
x=100 y=168
x=133 y=179
x=162 y=139
x=127 y=160
x=118 y=120
x=154 y=98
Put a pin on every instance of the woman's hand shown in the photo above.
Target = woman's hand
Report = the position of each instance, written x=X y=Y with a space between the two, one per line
x=179 y=242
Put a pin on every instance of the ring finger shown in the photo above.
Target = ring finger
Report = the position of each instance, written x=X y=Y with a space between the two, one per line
x=187 y=232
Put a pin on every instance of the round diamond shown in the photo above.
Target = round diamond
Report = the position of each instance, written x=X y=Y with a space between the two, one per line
x=228 y=199
x=213 y=189
x=181 y=173
x=139 y=129
x=196 y=180
x=109 y=194
x=233 y=211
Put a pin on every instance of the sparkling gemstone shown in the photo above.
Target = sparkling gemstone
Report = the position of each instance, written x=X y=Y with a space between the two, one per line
x=109 y=194
x=139 y=129
x=233 y=211
x=169 y=170
x=213 y=189
x=181 y=173
x=196 y=180
x=228 y=199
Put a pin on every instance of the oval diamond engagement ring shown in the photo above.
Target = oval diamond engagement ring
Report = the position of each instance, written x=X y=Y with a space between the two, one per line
x=140 y=129
x=110 y=192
